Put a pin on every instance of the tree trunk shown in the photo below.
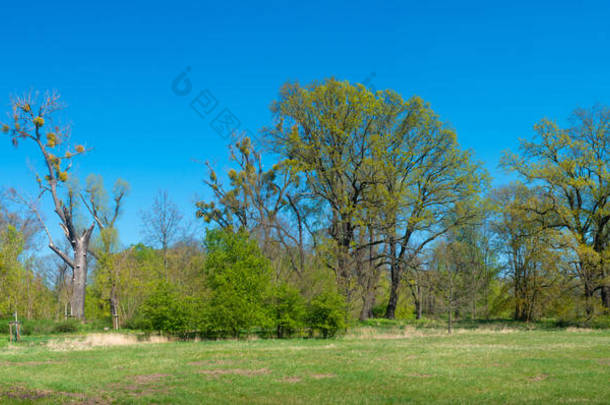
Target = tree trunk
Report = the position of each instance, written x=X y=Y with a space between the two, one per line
x=606 y=297
x=372 y=278
x=395 y=282
x=79 y=280
x=367 y=305
x=450 y=321
x=114 y=308
x=588 y=300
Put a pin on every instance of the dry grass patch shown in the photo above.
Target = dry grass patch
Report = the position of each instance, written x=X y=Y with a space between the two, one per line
x=604 y=362
x=102 y=340
x=419 y=375
x=212 y=362
x=539 y=377
x=27 y=363
x=291 y=380
x=235 y=371
x=322 y=376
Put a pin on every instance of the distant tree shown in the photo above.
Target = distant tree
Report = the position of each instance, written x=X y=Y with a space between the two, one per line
x=24 y=220
x=161 y=224
x=534 y=257
x=451 y=278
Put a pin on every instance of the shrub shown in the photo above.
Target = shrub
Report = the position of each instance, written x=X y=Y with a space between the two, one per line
x=288 y=311
x=238 y=277
x=69 y=326
x=601 y=322
x=379 y=310
x=167 y=311
x=326 y=314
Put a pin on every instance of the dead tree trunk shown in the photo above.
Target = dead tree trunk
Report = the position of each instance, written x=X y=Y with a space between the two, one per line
x=79 y=278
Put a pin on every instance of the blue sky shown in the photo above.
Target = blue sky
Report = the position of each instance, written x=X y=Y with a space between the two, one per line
x=491 y=70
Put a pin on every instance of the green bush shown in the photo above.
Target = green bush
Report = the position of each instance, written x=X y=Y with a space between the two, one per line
x=379 y=310
x=167 y=311
x=238 y=277
x=43 y=326
x=601 y=322
x=288 y=311
x=69 y=326
x=326 y=314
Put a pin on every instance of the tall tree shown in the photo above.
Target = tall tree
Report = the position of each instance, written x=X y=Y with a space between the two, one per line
x=32 y=119
x=572 y=167
x=422 y=175
x=326 y=133
x=96 y=200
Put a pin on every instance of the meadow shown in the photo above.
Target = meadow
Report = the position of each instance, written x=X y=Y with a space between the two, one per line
x=367 y=365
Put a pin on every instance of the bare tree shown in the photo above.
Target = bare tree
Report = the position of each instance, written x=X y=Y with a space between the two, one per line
x=32 y=120
x=161 y=224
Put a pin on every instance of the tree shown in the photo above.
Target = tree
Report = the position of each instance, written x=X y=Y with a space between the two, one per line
x=386 y=170
x=533 y=259
x=96 y=201
x=326 y=133
x=32 y=119
x=423 y=174
x=572 y=167
x=161 y=224
x=451 y=280
x=266 y=203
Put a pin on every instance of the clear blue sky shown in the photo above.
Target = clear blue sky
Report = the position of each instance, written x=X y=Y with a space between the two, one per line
x=490 y=69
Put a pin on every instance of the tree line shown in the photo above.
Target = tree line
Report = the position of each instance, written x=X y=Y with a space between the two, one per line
x=351 y=204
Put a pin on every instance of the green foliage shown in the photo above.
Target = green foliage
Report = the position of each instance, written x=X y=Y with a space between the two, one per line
x=69 y=326
x=238 y=278
x=326 y=314
x=43 y=326
x=166 y=310
x=288 y=311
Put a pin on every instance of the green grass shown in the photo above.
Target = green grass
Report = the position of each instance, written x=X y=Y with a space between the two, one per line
x=471 y=366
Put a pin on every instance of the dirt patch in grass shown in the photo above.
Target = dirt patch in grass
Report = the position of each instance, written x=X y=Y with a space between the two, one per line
x=149 y=378
x=142 y=386
x=322 y=376
x=419 y=375
x=539 y=377
x=26 y=394
x=211 y=362
x=604 y=362
x=291 y=380
x=234 y=371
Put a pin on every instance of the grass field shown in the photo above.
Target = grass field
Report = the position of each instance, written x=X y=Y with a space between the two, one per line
x=367 y=366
